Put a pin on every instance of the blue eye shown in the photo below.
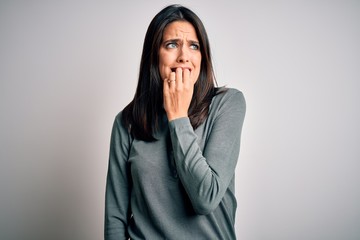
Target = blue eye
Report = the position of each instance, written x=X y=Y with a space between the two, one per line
x=195 y=46
x=171 y=45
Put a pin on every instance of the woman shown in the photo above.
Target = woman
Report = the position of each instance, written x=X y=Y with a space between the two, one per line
x=174 y=148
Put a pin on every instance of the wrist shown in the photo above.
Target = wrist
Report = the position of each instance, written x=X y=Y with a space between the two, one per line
x=172 y=117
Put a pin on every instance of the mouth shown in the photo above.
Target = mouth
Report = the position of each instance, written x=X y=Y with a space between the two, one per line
x=174 y=69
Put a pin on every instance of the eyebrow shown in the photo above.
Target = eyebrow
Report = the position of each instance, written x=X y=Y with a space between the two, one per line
x=179 y=40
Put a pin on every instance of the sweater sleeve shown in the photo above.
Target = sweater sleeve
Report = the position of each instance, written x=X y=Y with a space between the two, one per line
x=206 y=175
x=117 y=184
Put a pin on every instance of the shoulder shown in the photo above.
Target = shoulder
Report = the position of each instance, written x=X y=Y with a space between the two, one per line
x=121 y=138
x=119 y=126
x=118 y=120
x=228 y=92
x=229 y=97
x=228 y=107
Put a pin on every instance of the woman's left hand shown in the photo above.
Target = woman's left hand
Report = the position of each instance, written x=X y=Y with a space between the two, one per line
x=178 y=90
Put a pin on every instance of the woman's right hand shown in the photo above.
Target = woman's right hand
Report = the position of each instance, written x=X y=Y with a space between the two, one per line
x=178 y=91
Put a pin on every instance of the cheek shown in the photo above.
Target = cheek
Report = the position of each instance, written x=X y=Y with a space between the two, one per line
x=198 y=68
x=162 y=68
x=163 y=65
x=164 y=71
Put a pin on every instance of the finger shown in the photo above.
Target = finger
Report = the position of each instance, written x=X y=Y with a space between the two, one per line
x=179 y=73
x=179 y=78
x=166 y=86
x=186 y=77
x=172 y=80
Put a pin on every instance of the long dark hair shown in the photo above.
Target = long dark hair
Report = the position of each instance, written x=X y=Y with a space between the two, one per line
x=141 y=115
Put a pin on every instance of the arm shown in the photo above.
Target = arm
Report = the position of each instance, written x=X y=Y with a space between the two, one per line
x=207 y=175
x=117 y=185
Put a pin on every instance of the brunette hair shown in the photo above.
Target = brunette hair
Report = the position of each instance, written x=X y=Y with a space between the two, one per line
x=141 y=115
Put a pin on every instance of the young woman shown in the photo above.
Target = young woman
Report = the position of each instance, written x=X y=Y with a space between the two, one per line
x=175 y=146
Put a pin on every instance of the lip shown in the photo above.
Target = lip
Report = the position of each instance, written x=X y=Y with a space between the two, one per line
x=173 y=69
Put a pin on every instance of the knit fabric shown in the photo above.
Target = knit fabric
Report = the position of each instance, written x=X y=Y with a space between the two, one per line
x=180 y=186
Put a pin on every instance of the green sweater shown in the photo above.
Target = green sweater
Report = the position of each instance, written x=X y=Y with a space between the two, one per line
x=180 y=186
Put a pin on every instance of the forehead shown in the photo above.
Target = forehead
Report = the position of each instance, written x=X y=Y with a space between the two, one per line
x=180 y=29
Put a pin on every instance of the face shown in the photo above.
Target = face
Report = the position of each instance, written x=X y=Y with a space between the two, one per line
x=180 y=49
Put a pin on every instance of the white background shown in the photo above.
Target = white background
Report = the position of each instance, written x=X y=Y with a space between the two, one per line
x=68 y=67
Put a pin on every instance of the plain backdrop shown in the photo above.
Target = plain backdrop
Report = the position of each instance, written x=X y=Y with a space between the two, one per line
x=68 y=67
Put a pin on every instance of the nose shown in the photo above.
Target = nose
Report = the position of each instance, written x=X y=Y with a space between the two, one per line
x=183 y=55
